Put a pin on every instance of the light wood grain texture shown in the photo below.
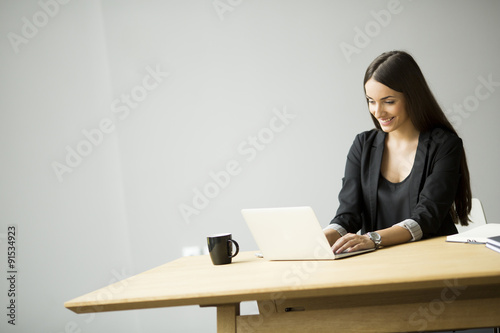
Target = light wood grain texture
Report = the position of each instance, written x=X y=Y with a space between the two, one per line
x=226 y=318
x=403 y=317
x=403 y=277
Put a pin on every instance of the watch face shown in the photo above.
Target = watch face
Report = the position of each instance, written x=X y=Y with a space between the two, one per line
x=376 y=238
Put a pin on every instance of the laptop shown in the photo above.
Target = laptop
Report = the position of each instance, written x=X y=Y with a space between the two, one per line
x=290 y=233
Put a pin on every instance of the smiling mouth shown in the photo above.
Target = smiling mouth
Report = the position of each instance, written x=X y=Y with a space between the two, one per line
x=386 y=121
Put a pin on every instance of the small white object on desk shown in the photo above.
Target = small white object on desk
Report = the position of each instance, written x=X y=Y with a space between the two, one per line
x=477 y=235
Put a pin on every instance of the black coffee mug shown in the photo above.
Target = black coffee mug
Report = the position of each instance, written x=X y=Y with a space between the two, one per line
x=220 y=248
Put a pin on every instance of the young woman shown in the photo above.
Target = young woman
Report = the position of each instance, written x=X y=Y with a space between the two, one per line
x=407 y=179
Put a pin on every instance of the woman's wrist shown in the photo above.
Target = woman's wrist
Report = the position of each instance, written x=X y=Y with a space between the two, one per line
x=332 y=235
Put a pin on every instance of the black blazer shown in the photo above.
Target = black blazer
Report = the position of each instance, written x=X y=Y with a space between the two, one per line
x=434 y=182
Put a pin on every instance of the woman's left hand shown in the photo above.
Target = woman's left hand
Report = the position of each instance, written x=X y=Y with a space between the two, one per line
x=352 y=242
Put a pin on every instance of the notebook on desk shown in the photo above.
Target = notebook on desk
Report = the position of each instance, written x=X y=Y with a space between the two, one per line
x=290 y=233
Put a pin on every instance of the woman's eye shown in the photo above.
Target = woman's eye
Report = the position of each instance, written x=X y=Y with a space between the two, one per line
x=389 y=102
x=371 y=102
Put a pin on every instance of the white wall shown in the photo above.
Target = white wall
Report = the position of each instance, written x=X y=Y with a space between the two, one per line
x=72 y=235
x=118 y=212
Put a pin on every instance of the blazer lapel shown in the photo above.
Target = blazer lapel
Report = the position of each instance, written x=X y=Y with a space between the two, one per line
x=375 y=162
x=418 y=167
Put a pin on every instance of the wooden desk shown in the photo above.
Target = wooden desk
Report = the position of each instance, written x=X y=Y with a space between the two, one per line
x=427 y=285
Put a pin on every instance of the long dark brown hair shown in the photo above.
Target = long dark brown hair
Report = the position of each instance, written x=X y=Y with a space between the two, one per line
x=399 y=71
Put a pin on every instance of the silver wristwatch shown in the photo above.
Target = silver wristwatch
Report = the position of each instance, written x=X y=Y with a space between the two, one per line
x=375 y=237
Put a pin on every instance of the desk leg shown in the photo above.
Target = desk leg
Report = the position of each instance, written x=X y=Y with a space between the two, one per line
x=226 y=317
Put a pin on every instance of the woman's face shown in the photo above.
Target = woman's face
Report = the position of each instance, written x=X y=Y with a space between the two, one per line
x=388 y=107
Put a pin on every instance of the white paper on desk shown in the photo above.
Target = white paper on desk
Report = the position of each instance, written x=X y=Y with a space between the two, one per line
x=476 y=235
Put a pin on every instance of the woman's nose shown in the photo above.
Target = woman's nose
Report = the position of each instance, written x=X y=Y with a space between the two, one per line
x=377 y=110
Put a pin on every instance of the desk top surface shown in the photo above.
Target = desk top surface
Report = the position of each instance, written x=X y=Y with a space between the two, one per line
x=195 y=281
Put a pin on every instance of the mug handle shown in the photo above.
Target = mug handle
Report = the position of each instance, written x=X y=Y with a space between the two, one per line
x=237 y=247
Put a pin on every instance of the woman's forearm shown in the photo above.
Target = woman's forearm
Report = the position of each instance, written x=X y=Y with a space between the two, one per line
x=394 y=235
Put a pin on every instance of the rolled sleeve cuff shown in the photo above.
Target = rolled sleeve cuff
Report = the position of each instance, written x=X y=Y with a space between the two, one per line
x=337 y=227
x=413 y=227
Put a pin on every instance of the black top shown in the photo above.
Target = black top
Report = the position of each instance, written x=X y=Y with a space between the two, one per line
x=393 y=202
